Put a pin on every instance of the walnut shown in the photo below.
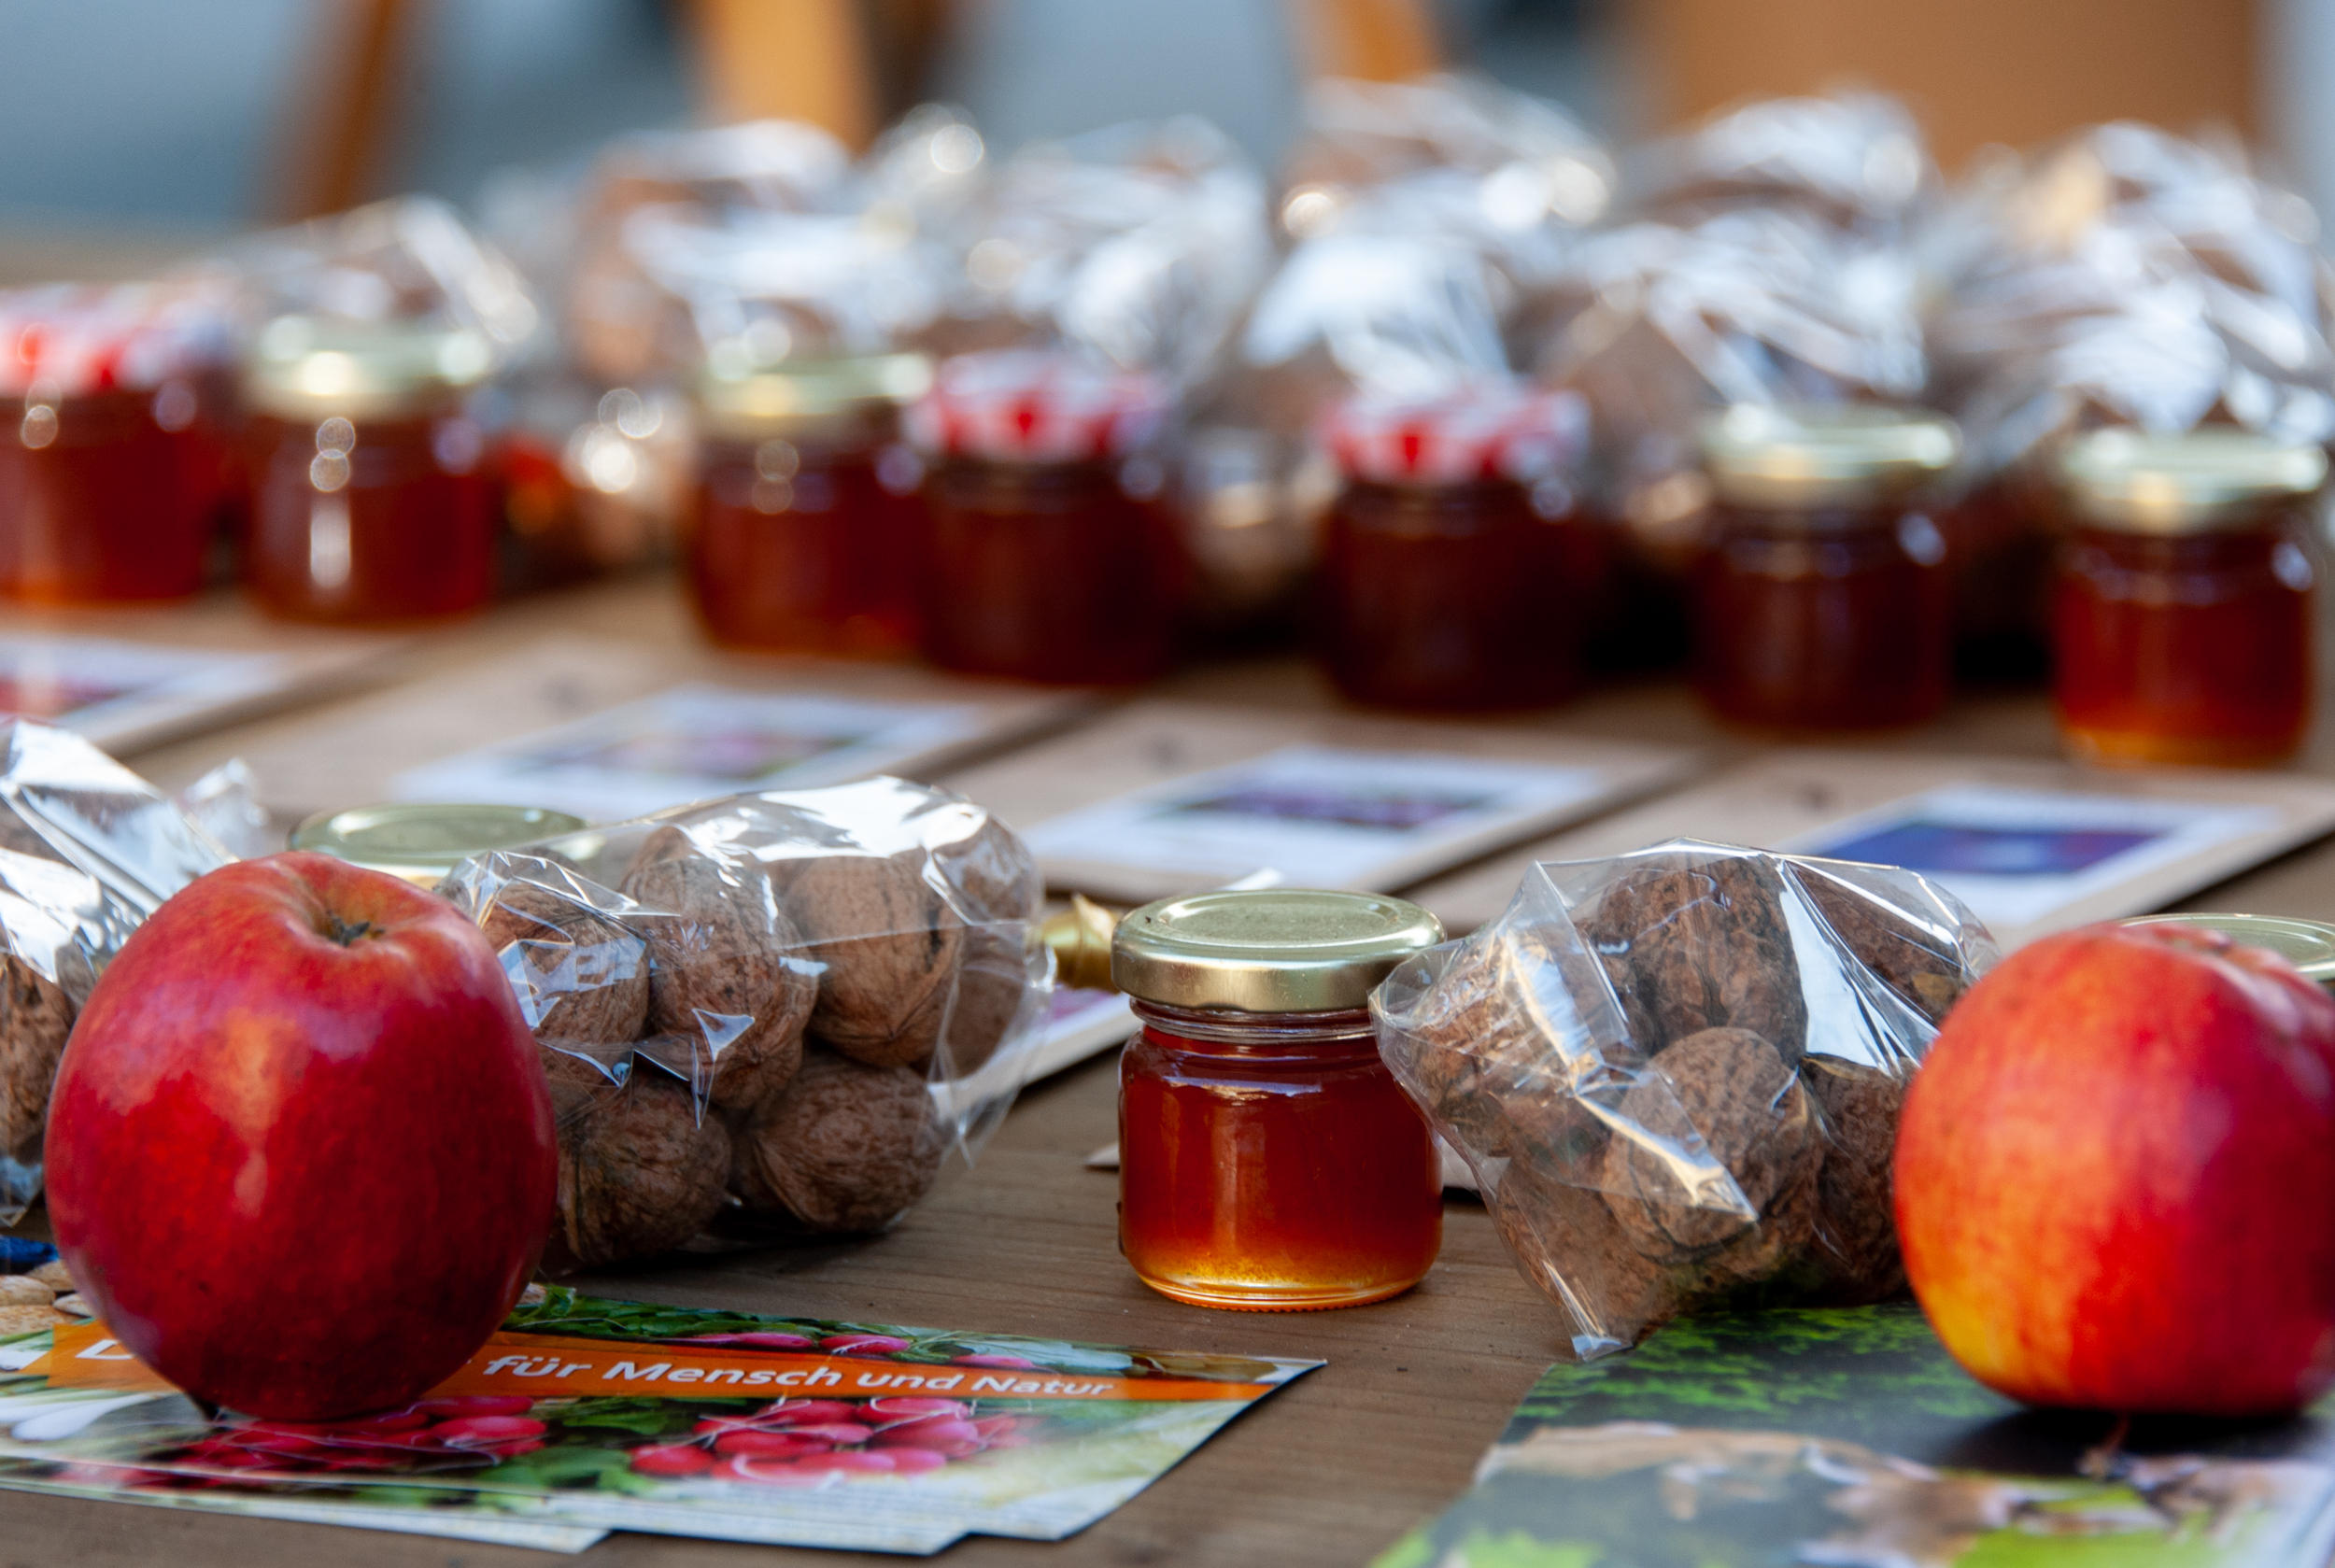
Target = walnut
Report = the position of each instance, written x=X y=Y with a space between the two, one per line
x=1501 y=1059
x=847 y=1147
x=1703 y=948
x=989 y=992
x=35 y=1016
x=1855 y=1252
x=23 y=1290
x=28 y=1320
x=723 y=963
x=1918 y=964
x=890 y=945
x=1001 y=892
x=579 y=976
x=639 y=1173
x=1732 y=1088
x=1565 y=1241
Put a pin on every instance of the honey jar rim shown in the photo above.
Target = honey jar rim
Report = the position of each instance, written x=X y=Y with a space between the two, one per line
x=1267 y=950
x=1778 y=455
x=397 y=837
x=2308 y=945
x=309 y=367
x=2183 y=482
x=786 y=397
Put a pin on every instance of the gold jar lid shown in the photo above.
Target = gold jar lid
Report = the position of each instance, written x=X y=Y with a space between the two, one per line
x=754 y=403
x=1824 y=455
x=2185 y=481
x=423 y=841
x=305 y=367
x=2308 y=945
x=1266 y=950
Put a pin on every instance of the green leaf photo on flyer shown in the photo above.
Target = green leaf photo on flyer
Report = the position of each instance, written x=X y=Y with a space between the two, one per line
x=584 y=1415
x=1850 y=1438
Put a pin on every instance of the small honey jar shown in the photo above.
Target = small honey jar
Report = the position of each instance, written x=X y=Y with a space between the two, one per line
x=1269 y=1161
x=373 y=501
x=1048 y=554
x=803 y=536
x=1457 y=563
x=2182 y=618
x=1824 y=598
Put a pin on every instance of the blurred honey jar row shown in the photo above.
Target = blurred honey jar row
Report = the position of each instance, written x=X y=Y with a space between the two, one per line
x=1010 y=515
x=1475 y=411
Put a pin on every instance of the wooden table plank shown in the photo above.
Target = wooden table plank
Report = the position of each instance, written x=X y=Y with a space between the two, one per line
x=1327 y=1471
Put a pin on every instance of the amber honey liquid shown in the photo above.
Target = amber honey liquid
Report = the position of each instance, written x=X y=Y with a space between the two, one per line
x=1453 y=596
x=1823 y=624
x=2188 y=649
x=1046 y=572
x=371 y=522
x=104 y=498
x=1273 y=1175
x=814 y=554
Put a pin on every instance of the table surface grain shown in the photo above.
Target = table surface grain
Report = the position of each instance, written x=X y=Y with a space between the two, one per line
x=1329 y=1470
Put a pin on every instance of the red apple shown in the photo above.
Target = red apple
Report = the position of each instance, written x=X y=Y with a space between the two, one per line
x=2116 y=1176
x=300 y=1150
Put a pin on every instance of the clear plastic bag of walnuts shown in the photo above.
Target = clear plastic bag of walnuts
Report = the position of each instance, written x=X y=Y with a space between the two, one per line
x=1676 y=1073
x=770 y=1015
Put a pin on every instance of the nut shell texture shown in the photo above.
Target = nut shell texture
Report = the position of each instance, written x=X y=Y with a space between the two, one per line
x=35 y=1016
x=890 y=946
x=639 y=1173
x=578 y=975
x=847 y=1147
x=725 y=964
x=1729 y=1086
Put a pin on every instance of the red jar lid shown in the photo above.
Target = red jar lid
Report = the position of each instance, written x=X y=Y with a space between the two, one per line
x=1034 y=406
x=69 y=340
x=1487 y=431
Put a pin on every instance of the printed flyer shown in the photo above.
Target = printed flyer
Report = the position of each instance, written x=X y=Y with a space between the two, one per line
x=692 y=743
x=1848 y=1437
x=584 y=1415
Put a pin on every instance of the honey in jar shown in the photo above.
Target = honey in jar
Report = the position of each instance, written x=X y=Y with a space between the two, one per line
x=1046 y=553
x=2182 y=619
x=803 y=536
x=1822 y=598
x=1267 y=1160
x=1457 y=566
x=109 y=463
x=373 y=498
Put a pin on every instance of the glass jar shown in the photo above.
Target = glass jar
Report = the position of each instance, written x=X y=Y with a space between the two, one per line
x=1457 y=569
x=2182 y=620
x=1822 y=597
x=804 y=531
x=1267 y=1160
x=1047 y=554
x=423 y=841
x=372 y=497
x=108 y=466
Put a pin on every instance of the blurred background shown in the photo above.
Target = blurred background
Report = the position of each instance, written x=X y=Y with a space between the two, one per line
x=144 y=114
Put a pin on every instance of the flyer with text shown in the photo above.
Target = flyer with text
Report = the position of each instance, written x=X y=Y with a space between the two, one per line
x=585 y=1415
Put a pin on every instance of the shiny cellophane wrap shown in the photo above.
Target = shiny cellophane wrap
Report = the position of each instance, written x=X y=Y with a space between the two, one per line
x=1425 y=220
x=2127 y=276
x=411 y=259
x=1676 y=1073
x=88 y=850
x=767 y=1015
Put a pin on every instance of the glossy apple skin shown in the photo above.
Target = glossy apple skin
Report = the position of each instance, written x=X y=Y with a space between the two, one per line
x=300 y=1150
x=2116 y=1176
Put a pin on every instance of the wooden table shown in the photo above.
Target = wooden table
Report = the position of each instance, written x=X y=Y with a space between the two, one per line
x=1330 y=1470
